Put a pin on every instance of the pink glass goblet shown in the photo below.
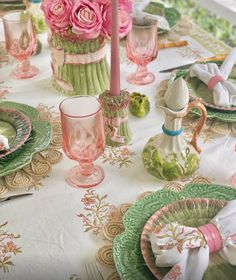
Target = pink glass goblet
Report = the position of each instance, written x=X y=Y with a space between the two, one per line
x=21 y=42
x=83 y=138
x=141 y=48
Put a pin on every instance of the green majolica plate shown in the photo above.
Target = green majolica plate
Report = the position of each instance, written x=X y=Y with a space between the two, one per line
x=219 y=115
x=170 y=13
x=16 y=127
x=127 y=250
x=39 y=139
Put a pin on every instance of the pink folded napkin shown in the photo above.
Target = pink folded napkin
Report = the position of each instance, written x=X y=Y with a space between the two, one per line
x=187 y=249
x=224 y=92
x=3 y=143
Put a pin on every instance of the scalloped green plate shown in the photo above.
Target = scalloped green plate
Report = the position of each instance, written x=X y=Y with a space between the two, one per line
x=170 y=13
x=225 y=116
x=16 y=127
x=40 y=138
x=126 y=247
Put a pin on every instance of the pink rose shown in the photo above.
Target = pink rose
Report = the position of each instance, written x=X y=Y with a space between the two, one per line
x=125 y=19
x=57 y=13
x=86 y=19
x=102 y=2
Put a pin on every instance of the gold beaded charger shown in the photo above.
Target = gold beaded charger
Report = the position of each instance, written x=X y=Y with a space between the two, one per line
x=31 y=175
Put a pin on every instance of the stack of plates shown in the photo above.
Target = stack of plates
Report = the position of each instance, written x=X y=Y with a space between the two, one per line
x=26 y=132
x=199 y=90
x=195 y=205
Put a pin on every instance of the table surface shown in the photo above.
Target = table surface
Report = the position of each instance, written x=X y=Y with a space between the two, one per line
x=54 y=233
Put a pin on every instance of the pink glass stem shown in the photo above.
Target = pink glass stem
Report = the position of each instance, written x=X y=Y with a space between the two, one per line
x=25 y=65
x=115 y=53
x=86 y=169
x=142 y=70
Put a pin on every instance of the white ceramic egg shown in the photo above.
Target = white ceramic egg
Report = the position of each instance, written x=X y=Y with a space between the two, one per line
x=177 y=95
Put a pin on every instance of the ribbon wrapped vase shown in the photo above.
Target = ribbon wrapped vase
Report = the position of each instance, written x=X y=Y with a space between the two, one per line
x=79 y=29
x=79 y=66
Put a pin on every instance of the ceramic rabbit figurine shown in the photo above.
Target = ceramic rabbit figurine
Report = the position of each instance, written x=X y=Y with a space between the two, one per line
x=168 y=155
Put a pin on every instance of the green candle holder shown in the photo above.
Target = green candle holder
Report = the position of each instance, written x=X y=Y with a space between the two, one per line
x=79 y=66
x=116 y=113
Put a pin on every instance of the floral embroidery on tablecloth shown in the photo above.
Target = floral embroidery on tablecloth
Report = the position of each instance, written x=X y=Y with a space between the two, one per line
x=48 y=113
x=8 y=248
x=96 y=209
x=4 y=90
x=190 y=52
x=120 y=156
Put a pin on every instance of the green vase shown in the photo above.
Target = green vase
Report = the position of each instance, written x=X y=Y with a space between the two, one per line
x=79 y=66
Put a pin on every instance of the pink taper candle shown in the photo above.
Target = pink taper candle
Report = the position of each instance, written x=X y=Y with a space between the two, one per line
x=115 y=52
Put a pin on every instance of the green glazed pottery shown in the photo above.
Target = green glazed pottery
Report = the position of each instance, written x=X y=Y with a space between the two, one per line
x=39 y=139
x=139 y=104
x=225 y=116
x=191 y=212
x=127 y=250
x=170 y=14
x=79 y=66
x=115 y=109
x=169 y=156
x=16 y=127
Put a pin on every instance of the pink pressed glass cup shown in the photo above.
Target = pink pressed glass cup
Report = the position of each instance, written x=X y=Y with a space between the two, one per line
x=21 y=42
x=83 y=138
x=141 y=48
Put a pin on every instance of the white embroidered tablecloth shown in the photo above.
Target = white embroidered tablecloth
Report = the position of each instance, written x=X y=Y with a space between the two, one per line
x=54 y=233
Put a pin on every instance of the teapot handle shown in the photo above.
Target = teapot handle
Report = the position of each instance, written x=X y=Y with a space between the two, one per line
x=198 y=128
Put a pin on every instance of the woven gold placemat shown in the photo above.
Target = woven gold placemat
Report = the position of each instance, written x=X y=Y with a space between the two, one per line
x=41 y=165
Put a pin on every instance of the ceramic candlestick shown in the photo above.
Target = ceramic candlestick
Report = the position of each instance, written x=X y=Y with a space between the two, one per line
x=115 y=110
x=168 y=155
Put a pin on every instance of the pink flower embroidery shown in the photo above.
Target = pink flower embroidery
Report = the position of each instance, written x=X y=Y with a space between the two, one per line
x=174 y=273
x=86 y=19
x=88 y=201
x=57 y=13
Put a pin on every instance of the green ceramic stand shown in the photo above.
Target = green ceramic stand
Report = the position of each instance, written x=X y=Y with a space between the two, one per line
x=116 y=114
x=72 y=77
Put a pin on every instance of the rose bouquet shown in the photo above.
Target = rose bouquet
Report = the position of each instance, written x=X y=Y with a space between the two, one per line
x=79 y=29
